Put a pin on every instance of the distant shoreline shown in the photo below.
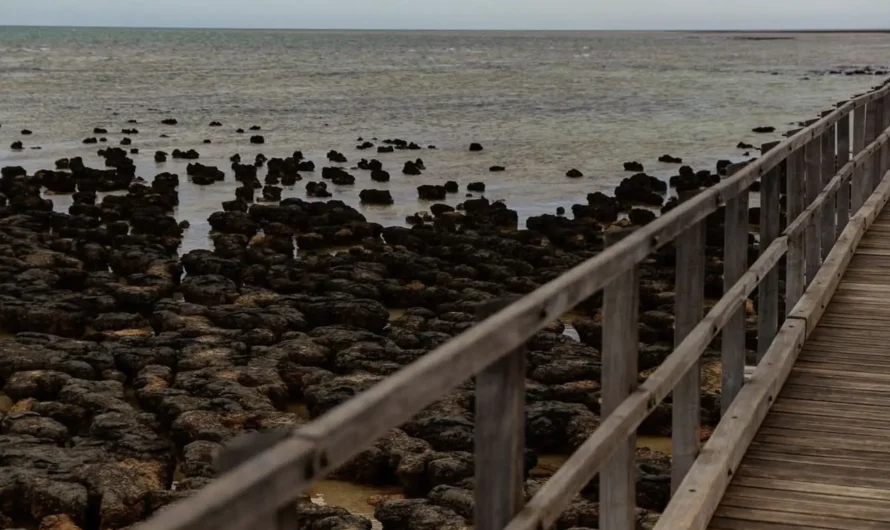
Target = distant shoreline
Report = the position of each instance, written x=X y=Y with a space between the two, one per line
x=439 y=30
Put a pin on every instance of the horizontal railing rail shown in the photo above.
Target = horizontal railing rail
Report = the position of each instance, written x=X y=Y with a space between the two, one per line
x=831 y=167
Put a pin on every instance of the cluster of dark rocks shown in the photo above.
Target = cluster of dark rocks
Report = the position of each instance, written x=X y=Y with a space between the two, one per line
x=128 y=365
x=855 y=71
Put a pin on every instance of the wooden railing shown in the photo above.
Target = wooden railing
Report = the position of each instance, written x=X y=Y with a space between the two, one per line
x=824 y=185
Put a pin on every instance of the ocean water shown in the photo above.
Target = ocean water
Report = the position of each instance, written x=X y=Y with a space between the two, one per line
x=540 y=102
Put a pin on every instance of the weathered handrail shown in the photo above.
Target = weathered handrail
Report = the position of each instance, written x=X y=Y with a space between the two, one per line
x=253 y=493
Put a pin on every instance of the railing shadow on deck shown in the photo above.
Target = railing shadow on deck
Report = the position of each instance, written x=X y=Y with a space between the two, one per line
x=832 y=167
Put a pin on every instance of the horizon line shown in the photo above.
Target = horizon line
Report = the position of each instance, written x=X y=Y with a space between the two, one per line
x=625 y=30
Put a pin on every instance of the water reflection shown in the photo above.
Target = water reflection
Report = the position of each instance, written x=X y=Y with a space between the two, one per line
x=358 y=499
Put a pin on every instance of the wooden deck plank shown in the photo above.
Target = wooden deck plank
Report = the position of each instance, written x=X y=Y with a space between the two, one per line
x=810 y=473
x=810 y=487
x=826 y=342
x=792 y=454
x=818 y=353
x=868 y=509
x=725 y=523
x=781 y=447
x=843 y=368
x=828 y=351
x=821 y=457
x=850 y=513
x=831 y=396
x=831 y=372
x=834 y=383
x=752 y=513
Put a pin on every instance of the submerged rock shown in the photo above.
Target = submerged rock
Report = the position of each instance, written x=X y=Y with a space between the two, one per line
x=668 y=159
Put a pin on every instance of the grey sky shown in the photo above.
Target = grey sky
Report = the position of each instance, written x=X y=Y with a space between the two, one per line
x=455 y=14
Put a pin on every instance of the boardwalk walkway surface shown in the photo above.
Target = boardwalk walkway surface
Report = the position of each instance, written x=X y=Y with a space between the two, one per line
x=821 y=458
x=802 y=443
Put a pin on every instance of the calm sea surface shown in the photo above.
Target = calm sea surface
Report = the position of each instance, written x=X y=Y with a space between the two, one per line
x=540 y=102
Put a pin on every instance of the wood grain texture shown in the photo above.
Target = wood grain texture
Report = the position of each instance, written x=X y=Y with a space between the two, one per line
x=843 y=156
x=619 y=379
x=735 y=260
x=828 y=223
x=813 y=303
x=795 y=271
x=813 y=161
x=546 y=506
x=857 y=183
x=886 y=106
x=873 y=116
x=688 y=306
x=249 y=495
x=768 y=294
x=819 y=457
x=499 y=434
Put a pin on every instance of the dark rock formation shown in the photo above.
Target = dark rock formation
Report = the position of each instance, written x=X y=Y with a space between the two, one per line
x=191 y=154
x=641 y=189
x=379 y=175
x=411 y=168
x=429 y=192
x=376 y=197
x=337 y=157
x=204 y=175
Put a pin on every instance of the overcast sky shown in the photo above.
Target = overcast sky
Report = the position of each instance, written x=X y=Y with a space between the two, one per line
x=454 y=14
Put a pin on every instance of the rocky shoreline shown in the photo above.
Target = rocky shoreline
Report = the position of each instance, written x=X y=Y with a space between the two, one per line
x=127 y=365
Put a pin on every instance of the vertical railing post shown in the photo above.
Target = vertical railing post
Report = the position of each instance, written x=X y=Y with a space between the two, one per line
x=886 y=107
x=857 y=179
x=813 y=161
x=873 y=115
x=688 y=306
x=843 y=156
x=828 y=230
x=241 y=449
x=795 y=273
x=866 y=172
x=871 y=121
x=735 y=262
x=885 y=148
x=621 y=302
x=882 y=155
x=499 y=434
x=768 y=291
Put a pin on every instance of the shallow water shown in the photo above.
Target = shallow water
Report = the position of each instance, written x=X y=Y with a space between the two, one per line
x=550 y=463
x=540 y=102
x=356 y=498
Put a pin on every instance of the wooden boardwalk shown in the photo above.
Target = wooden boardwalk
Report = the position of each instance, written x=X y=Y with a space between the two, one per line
x=821 y=458
x=804 y=443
